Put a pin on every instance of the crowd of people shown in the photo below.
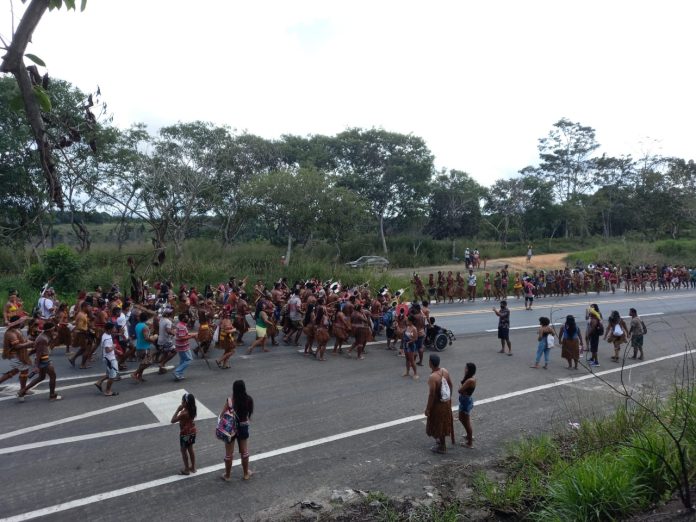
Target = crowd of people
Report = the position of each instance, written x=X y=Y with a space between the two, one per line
x=104 y=324
x=498 y=285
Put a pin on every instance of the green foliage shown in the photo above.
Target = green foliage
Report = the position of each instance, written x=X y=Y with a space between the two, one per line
x=61 y=266
x=506 y=496
x=596 y=488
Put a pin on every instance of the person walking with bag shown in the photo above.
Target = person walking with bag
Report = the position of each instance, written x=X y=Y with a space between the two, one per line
x=233 y=424
x=636 y=332
x=185 y=415
x=616 y=333
x=544 y=342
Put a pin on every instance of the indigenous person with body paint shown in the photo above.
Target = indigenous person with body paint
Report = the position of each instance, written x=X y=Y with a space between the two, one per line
x=42 y=352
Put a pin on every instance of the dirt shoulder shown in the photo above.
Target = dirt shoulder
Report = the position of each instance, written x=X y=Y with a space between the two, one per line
x=541 y=262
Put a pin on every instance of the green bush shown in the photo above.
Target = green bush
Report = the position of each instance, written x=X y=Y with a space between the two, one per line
x=596 y=488
x=61 y=266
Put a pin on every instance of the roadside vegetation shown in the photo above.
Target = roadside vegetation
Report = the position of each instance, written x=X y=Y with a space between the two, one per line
x=205 y=260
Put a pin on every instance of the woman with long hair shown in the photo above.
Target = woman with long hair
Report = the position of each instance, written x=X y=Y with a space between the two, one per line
x=594 y=330
x=616 y=333
x=185 y=415
x=466 y=403
x=241 y=406
x=571 y=340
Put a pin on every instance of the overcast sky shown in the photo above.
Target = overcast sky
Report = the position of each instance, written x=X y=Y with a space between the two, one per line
x=481 y=81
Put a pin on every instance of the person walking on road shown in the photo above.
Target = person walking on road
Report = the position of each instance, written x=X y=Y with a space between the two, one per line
x=185 y=415
x=466 y=403
x=410 y=335
x=595 y=329
x=571 y=341
x=616 y=333
x=438 y=411
x=16 y=348
x=504 y=326
x=142 y=347
x=241 y=407
x=636 y=331
x=543 y=347
x=42 y=353
x=110 y=362
x=183 y=347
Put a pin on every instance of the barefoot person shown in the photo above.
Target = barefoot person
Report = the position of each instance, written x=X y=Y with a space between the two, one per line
x=240 y=406
x=504 y=326
x=262 y=321
x=142 y=347
x=543 y=347
x=466 y=403
x=571 y=341
x=636 y=331
x=410 y=335
x=42 y=353
x=185 y=415
x=16 y=348
x=615 y=333
x=438 y=411
x=109 y=358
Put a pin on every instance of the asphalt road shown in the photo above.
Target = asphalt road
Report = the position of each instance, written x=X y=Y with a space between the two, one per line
x=317 y=427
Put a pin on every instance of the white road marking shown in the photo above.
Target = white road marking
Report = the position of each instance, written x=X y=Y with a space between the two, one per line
x=560 y=324
x=161 y=405
x=70 y=387
x=128 y=490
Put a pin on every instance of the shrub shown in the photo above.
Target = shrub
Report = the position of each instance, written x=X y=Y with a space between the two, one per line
x=597 y=488
x=61 y=266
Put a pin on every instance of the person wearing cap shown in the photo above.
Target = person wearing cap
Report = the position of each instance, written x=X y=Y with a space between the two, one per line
x=16 y=348
x=42 y=351
x=440 y=423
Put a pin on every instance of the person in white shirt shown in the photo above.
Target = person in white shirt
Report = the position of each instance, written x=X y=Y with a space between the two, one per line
x=46 y=305
x=165 y=339
x=471 y=282
x=109 y=358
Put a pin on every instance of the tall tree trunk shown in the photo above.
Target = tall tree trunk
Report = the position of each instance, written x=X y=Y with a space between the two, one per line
x=289 y=250
x=381 y=234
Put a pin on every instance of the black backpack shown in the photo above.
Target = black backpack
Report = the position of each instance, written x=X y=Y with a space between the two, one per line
x=599 y=329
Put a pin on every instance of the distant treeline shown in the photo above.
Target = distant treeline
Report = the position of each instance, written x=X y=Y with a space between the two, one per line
x=196 y=179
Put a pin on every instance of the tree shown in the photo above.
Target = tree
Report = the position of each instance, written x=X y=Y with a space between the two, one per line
x=455 y=209
x=566 y=162
x=240 y=159
x=289 y=202
x=32 y=86
x=388 y=169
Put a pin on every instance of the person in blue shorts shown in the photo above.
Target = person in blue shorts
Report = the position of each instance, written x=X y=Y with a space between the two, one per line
x=466 y=403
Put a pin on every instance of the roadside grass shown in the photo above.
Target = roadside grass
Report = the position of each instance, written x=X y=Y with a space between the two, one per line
x=608 y=469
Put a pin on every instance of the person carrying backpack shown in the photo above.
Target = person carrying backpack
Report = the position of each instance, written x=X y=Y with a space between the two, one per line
x=636 y=331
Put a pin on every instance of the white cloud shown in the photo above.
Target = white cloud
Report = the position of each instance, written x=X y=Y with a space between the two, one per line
x=479 y=81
